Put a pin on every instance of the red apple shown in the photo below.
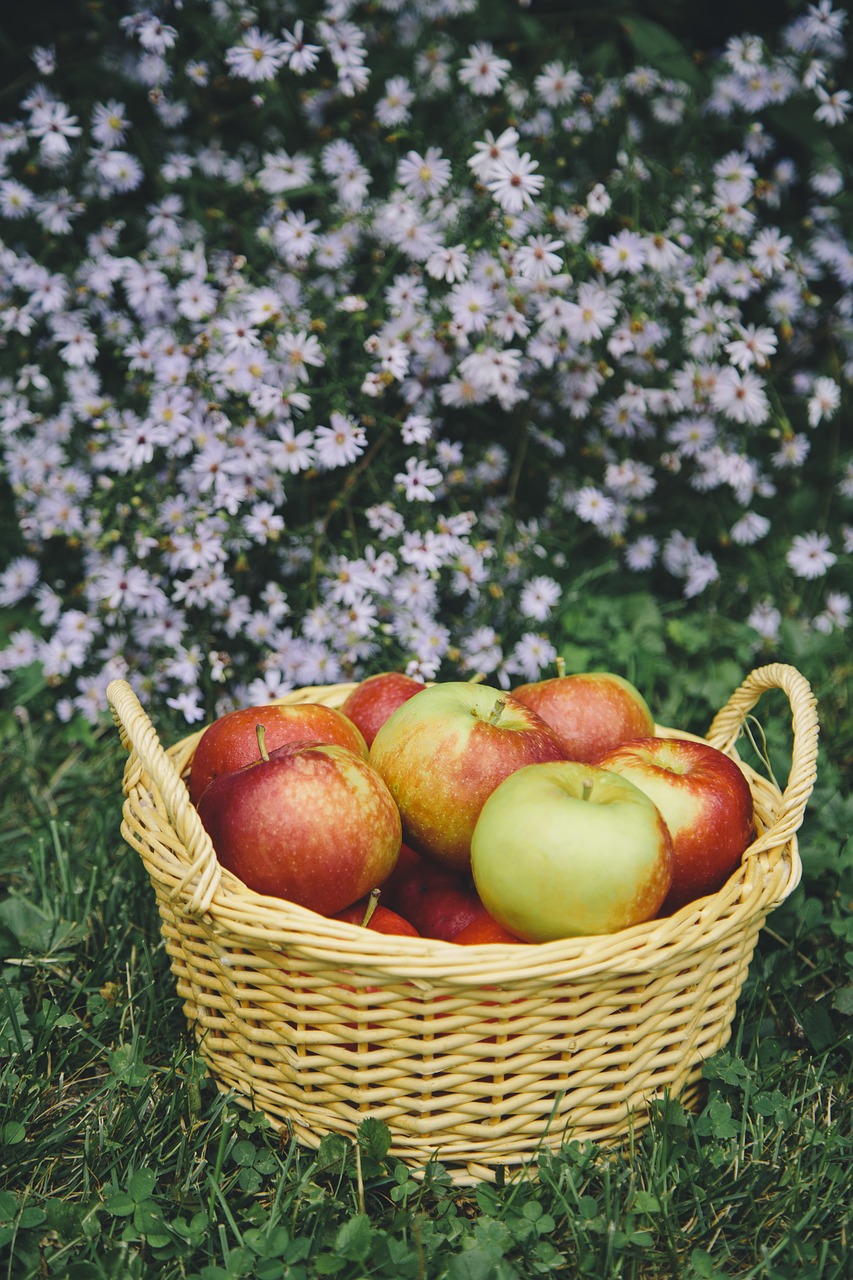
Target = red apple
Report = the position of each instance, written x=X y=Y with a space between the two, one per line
x=232 y=741
x=371 y=914
x=372 y=701
x=443 y=752
x=589 y=712
x=438 y=901
x=484 y=929
x=566 y=849
x=313 y=823
x=705 y=801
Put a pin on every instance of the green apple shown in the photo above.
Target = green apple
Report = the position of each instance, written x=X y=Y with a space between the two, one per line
x=563 y=849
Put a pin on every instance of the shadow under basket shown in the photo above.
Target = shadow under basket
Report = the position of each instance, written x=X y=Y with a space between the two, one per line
x=477 y=1056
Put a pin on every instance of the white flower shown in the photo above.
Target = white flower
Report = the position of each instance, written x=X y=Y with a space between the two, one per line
x=754 y=346
x=824 y=400
x=593 y=506
x=624 y=254
x=423 y=175
x=483 y=72
x=259 y=57
x=809 y=555
x=740 y=396
x=834 y=107
x=492 y=149
x=418 y=480
x=750 y=528
x=538 y=598
x=514 y=182
x=339 y=444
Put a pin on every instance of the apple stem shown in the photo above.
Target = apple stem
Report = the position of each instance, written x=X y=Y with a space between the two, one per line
x=372 y=904
x=261 y=734
x=586 y=790
x=561 y=665
x=497 y=711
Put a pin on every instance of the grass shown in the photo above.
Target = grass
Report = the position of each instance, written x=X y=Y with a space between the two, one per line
x=120 y=1158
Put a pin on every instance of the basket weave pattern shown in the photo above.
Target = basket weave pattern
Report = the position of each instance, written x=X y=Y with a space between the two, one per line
x=477 y=1055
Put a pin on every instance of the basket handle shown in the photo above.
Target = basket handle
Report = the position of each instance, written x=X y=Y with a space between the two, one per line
x=136 y=731
x=728 y=723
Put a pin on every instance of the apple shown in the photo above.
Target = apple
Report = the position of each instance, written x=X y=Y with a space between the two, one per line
x=371 y=702
x=589 y=712
x=232 y=741
x=438 y=901
x=443 y=752
x=369 y=913
x=566 y=849
x=706 y=802
x=485 y=929
x=312 y=822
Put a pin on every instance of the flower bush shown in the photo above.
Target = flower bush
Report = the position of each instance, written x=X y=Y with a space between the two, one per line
x=337 y=337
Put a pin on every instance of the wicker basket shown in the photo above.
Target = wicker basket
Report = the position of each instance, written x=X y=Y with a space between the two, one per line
x=475 y=1055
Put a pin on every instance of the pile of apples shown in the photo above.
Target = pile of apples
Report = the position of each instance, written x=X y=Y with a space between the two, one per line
x=460 y=812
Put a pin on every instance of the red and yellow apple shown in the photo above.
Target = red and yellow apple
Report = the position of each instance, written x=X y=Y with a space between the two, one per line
x=706 y=802
x=589 y=712
x=232 y=741
x=443 y=752
x=371 y=702
x=485 y=929
x=313 y=823
x=566 y=849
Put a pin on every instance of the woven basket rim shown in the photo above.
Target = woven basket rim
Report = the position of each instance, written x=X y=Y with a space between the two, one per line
x=767 y=874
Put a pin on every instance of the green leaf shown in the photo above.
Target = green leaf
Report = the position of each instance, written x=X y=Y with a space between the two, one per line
x=842 y=1001
x=121 y=1205
x=141 y=1184
x=353 y=1238
x=818 y=1027
x=374 y=1138
x=656 y=46
x=12 y=1133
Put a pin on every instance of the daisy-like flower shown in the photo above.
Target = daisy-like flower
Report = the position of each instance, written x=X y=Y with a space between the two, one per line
x=423 y=176
x=741 y=397
x=259 y=57
x=483 y=72
x=340 y=443
x=642 y=553
x=809 y=555
x=392 y=109
x=749 y=529
x=514 y=181
x=54 y=126
x=490 y=150
x=592 y=506
x=538 y=598
x=538 y=258
x=449 y=263
x=836 y=613
x=557 y=84
x=299 y=55
x=624 y=254
x=766 y=619
x=792 y=452
x=753 y=346
x=769 y=251
x=834 y=107
x=418 y=480
x=824 y=401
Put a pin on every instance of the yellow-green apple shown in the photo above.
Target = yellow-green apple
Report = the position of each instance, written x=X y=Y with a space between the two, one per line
x=589 y=712
x=706 y=802
x=232 y=741
x=443 y=752
x=371 y=702
x=312 y=822
x=567 y=849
